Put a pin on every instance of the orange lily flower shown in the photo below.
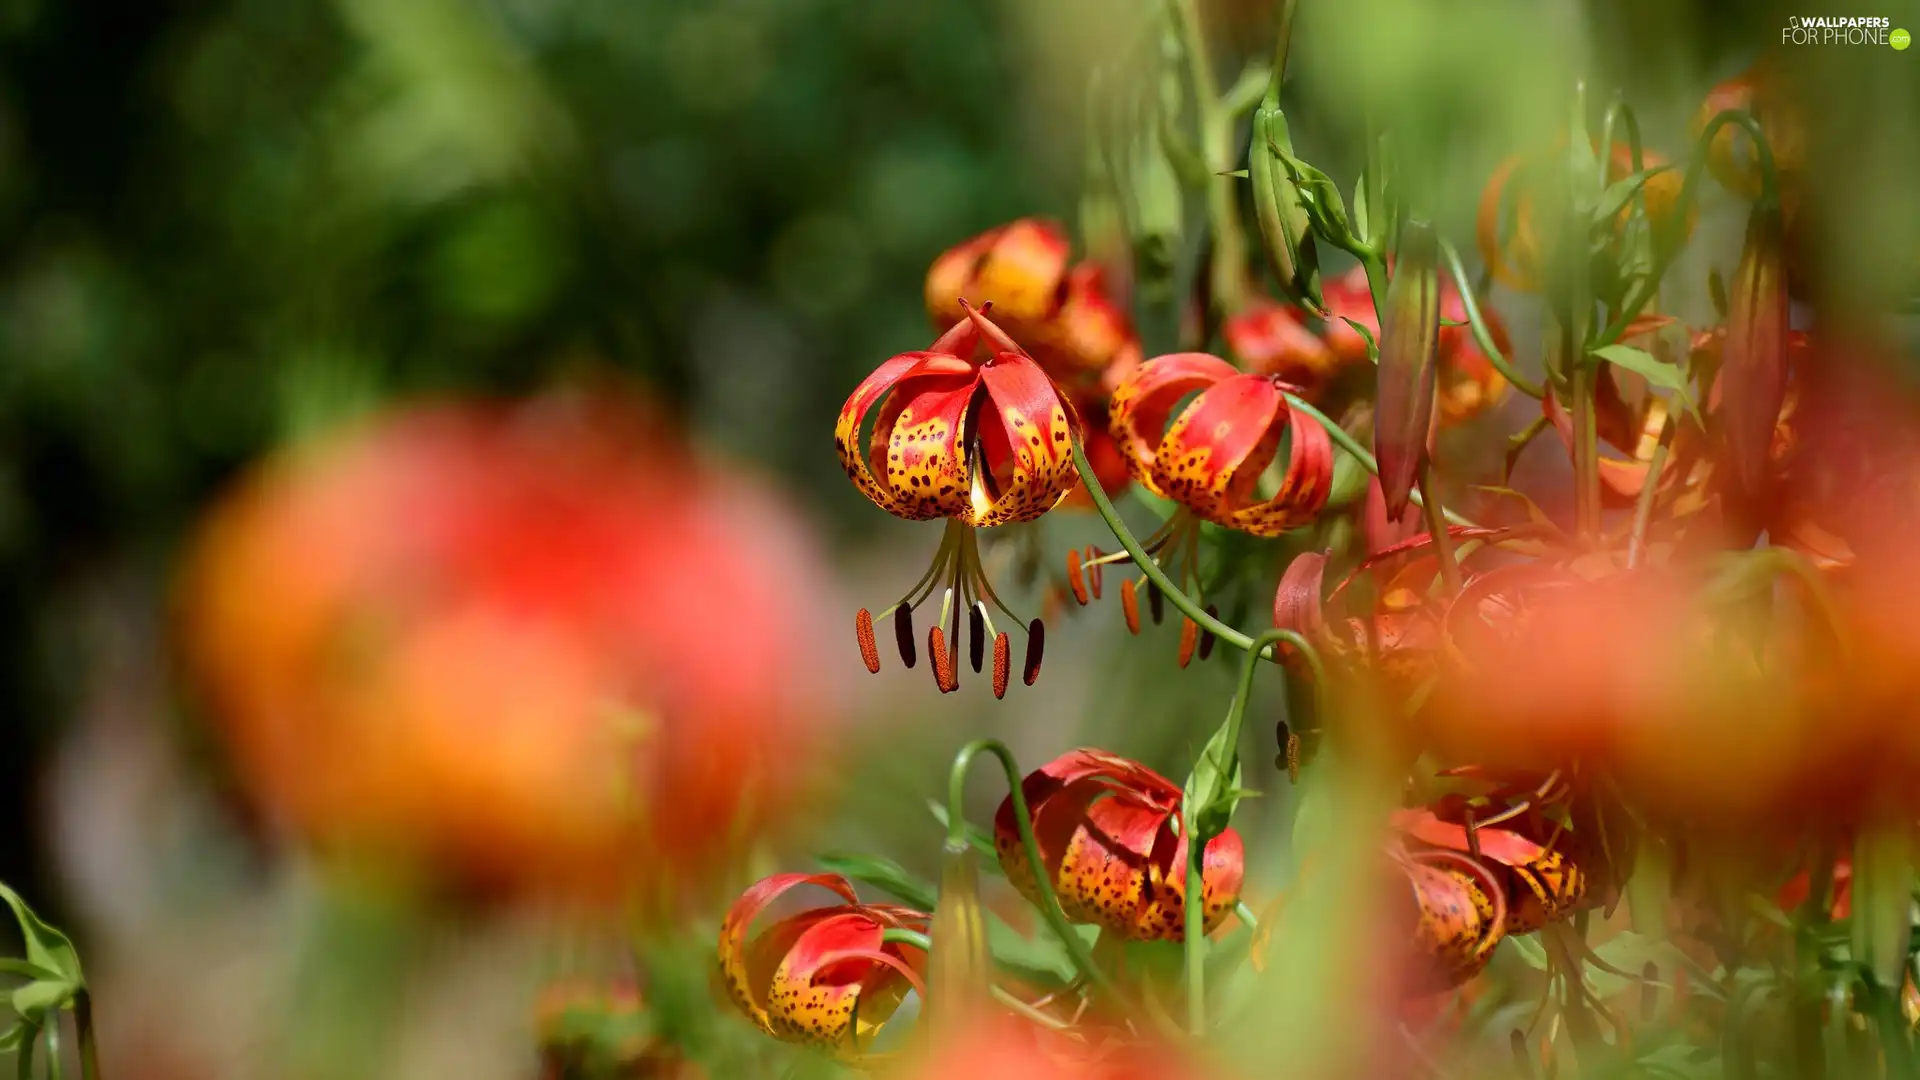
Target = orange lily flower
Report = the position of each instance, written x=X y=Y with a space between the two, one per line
x=1106 y=827
x=972 y=430
x=824 y=977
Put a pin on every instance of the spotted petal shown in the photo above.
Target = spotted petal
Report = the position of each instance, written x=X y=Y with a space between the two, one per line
x=1143 y=404
x=826 y=993
x=1026 y=444
x=1304 y=487
x=919 y=450
x=1215 y=452
x=747 y=970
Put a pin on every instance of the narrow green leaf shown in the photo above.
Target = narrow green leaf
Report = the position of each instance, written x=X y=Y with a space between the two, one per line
x=882 y=873
x=47 y=947
x=1882 y=920
x=1213 y=789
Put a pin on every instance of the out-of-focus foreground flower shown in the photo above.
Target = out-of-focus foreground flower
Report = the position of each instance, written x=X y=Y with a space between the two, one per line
x=535 y=646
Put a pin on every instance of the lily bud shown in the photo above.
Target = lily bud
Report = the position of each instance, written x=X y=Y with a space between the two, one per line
x=1403 y=428
x=1282 y=216
x=1754 y=371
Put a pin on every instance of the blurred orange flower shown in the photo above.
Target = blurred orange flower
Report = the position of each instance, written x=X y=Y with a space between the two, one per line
x=537 y=646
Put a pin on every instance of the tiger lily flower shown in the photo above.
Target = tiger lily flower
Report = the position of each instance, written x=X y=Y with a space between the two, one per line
x=1106 y=827
x=825 y=977
x=1211 y=458
x=1732 y=158
x=1535 y=869
x=972 y=430
x=1451 y=917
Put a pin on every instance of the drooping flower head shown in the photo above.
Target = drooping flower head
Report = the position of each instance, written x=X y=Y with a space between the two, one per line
x=972 y=430
x=1107 y=833
x=824 y=977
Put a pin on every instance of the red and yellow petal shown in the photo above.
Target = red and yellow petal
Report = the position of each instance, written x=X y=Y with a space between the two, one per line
x=846 y=428
x=816 y=993
x=1026 y=439
x=1143 y=404
x=918 y=448
x=1222 y=872
x=737 y=958
x=1305 y=486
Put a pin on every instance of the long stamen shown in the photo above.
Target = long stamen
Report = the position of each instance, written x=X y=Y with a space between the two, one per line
x=1130 y=605
x=1075 y=580
x=869 y=649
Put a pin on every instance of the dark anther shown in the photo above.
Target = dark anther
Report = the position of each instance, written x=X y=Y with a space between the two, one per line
x=903 y=633
x=1154 y=602
x=1206 y=636
x=976 y=636
x=1036 y=648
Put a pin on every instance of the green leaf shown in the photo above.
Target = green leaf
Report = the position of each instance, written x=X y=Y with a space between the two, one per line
x=1528 y=948
x=1213 y=789
x=15 y=1035
x=35 y=999
x=47 y=947
x=1373 y=347
x=1620 y=191
x=1652 y=368
x=882 y=873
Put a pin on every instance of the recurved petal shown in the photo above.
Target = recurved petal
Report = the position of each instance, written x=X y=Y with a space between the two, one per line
x=846 y=428
x=1026 y=443
x=744 y=984
x=817 y=988
x=1304 y=487
x=1215 y=450
x=1143 y=404
x=918 y=448
x=1222 y=872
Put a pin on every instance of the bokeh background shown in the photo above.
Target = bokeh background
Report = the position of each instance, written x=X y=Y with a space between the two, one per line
x=228 y=223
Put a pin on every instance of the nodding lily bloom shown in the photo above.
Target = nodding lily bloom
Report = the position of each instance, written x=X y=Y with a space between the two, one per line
x=825 y=977
x=1509 y=238
x=1451 y=917
x=973 y=431
x=1065 y=314
x=1530 y=858
x=1106 y=828
x=1212 y=457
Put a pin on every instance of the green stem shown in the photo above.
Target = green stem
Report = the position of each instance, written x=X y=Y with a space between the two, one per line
x=1437 y=528
x=83 y=1030
x=1227 y=270
x=1196 y=943
x=23 y=1057
x=1376 y=268
x=1049 y=902
x=1643 y=508
x=55 y=1067
x=1246 y=92
x=1478 y=323
x=1586 y=443
x=1351 y=445
x=1282 y=42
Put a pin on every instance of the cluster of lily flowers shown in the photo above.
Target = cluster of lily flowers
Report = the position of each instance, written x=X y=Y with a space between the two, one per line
x=1587 y=685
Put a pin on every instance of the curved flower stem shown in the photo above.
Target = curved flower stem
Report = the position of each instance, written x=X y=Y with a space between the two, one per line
x=55 y=1067
x=1196 y=936
x=1050 y=903
x=903 y=936
x=1643 y=508
x=1664 y=254
x=1478 y=323
x=1360 y=453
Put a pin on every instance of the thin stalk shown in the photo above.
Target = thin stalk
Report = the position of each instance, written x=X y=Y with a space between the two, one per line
x=1478 y=323
x=1282 y=42
x=1643 y=508
x=23 y=1057
x=1586 y=444
x=1196 y=943
x=1227 y=268
x=83 y=1031
x=1437 y=527
x=1049 y=902
x=55 y=1067
x=1246 y=92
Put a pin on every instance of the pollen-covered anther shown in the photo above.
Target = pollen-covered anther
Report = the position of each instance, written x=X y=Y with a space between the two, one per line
x=903 y=633
x=1036 y=650
x=944 y=676
x=1002 y=663
x=1189 y=638
x=1096 y=570
x=1076 y=578
x=869 y=649
x=1130 y=606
